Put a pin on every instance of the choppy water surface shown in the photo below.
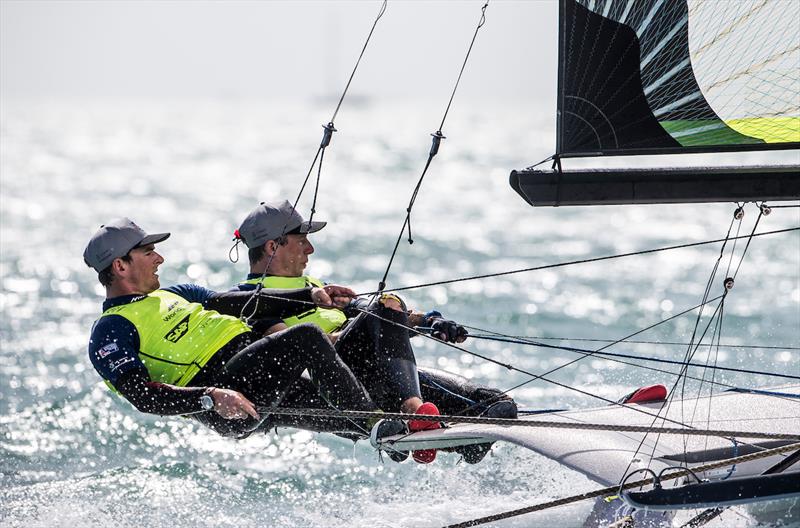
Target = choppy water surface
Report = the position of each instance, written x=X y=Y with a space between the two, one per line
x=70 y=454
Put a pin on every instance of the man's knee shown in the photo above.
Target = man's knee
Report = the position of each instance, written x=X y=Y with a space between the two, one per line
x=310 y=339
x=308 y=332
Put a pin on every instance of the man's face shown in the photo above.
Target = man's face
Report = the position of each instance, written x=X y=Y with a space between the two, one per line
x=141 y=270
x=291 y=258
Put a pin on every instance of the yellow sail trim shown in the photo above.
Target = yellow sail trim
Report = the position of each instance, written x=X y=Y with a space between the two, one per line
x=770 y=129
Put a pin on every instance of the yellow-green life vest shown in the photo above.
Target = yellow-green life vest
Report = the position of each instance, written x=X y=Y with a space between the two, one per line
x=177 y=337
x=329 y=319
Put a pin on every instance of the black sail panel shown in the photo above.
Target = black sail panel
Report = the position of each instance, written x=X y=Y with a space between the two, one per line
x=603 y=106
x=628 y=79
x=644 y=77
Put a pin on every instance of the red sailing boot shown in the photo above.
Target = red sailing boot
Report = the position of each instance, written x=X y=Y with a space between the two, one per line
x=653 y=393
x=424 y=456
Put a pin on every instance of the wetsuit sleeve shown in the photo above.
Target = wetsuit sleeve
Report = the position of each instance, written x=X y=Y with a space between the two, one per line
x=113 y=351
x=159 y=398
x=113 y=348
x=275 y=304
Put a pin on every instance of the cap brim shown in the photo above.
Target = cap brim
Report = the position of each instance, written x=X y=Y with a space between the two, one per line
x=153 y=239
x=311 y=227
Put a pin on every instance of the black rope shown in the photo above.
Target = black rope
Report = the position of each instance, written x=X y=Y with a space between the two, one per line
x=588 y=353
x=435 y=143
x=527 y=423
x=508 y=366
x=611 y=490
x=366 y=42
x=671 y=394
x=327 y=134
x=573 y=262
x=522 y=371
x=464 y=65
x=614 y=341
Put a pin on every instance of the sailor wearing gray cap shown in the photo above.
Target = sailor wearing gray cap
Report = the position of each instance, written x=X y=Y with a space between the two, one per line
x=114 y=240
x=271 y=220
x=184 y=350
x=377 y=349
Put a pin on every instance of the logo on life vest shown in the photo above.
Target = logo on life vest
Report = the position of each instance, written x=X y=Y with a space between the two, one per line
x=178 y=331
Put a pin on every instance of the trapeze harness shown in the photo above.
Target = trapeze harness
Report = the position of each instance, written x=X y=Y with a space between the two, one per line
x=177 y=337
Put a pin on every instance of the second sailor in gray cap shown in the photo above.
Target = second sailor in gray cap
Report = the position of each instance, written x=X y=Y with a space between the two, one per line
x=377 y=349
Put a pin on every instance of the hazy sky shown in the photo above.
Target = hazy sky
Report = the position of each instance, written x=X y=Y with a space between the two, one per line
x=276 y=49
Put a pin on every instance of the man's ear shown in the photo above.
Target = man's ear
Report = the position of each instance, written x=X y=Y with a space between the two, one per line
x=269 y=247
x=119 y=266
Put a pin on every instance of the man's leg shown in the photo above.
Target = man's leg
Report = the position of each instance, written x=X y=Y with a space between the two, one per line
x=266 y=369
x=457 y=395
x=380 y=355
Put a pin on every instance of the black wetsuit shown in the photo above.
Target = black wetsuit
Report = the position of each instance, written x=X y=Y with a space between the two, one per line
x=378 y=350
x=261 y=368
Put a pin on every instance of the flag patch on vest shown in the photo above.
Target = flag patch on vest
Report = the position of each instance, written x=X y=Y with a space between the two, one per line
x=178 y=331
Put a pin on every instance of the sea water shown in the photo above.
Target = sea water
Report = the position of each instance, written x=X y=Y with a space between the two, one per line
x=71 y=454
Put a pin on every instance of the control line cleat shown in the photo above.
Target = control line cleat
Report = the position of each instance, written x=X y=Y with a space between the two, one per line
x=424 y=456
x=383 y=429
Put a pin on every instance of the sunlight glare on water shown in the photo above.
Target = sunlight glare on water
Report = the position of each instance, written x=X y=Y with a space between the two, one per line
x=71 y=454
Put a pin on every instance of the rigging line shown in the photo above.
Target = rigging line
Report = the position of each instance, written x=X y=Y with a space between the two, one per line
x=366 y=42
x=631 y=341
x=613 y=490
x=713 y=373
x=523 y=371
x=406 y=223
x=316 y=192
x=516 y=422
x=437 y=138
x=548 y=158
x=610 y=355
x=747 y=245
x=650 y=327
x=255 y=295
x=464 y=65
x=507 y=366
x=320 y=154
x=688 y=355
x=572 y=262
x=733 y=249
x=588 y=353
x=738 y=215
x=672 y=392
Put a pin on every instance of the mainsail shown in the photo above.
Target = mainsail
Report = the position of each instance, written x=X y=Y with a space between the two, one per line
x=673 y=77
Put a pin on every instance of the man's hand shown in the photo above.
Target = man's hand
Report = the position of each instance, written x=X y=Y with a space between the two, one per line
x=447 y=330
x=232 y=405
x=332 y=295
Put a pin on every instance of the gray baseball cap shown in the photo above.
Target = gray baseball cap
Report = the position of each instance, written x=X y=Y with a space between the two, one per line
x=114 y=240
x=270 y=220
